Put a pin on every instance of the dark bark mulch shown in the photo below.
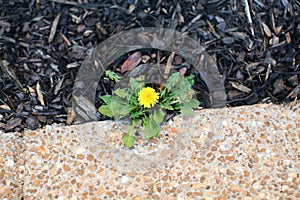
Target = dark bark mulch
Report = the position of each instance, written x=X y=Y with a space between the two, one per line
x=43 y=43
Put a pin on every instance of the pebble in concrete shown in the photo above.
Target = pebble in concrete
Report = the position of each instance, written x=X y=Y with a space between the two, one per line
x=249 y=152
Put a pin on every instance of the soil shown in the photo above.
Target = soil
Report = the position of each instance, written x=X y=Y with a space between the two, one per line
x=43 y=43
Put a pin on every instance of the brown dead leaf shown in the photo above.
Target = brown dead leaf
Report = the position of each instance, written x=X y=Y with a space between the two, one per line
x=39 y=94
x=131 y=62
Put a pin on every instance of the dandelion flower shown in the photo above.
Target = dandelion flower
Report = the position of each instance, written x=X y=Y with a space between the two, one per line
x=148 y=97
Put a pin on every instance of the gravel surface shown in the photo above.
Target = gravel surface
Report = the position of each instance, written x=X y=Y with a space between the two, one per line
x=248 y=152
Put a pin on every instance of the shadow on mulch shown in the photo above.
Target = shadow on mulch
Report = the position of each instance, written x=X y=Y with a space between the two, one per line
x=43 y=43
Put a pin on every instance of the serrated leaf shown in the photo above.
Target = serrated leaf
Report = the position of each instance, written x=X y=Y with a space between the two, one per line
x=158 y=115
x=112 y=75
x=187 y=110
x=129 y=140
x=106 y=110
x=190 y=79
x=173 y=80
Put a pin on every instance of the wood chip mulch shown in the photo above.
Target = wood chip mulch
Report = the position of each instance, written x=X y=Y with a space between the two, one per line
x=43 y=43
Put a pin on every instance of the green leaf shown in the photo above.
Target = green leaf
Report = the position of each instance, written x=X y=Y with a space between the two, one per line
x=190 y=79
x=112 y=75
x=135 y=85
x=151 y=128
x=187 y=110
x=193 y=103
x=158 y=115
x=106 y=99
x=173 y=80
x=129 y=140
x=116 y=107
x=119 y=108
x=177 y=106
x=134 y=100
x=146 y=121
x=106 y=110
x=179 y=88
x=167 y=106
x=136 y=114
x=131 y=130
x=123 y=93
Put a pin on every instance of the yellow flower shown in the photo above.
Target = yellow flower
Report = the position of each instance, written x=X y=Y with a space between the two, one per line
x=148 y=97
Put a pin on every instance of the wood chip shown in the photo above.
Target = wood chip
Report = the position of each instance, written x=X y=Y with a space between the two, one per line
x=240 y=87
x=58 y=86
x=131 y=8
x=295 y=92
x=252 y=65
x=266 y=29
x=31 y=91
x=72 y=65
x=66 y=39
x=70 y=115
x=169 y=65
x=53 y=28
x=5 y=107
x=278 y=30
x=145 y=58
x=12 y=123
x=6 y=69
x=288 y=37
x=39 y=94
x=65 y=2
x=248 y=14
